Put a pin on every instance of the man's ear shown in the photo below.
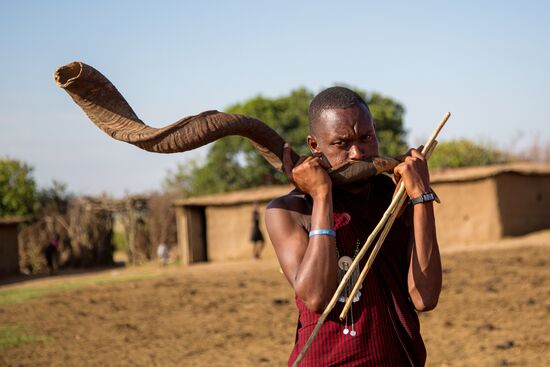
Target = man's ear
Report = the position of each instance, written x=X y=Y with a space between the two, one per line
x=312 y=144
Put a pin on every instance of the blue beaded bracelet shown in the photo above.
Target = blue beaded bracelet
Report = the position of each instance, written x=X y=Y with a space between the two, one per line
x=317 y=232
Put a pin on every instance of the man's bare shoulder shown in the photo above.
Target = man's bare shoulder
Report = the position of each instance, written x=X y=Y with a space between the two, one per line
x=294 y=202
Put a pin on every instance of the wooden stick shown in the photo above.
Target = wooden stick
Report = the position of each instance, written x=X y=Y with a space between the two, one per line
x=358 y=258
x=387 y=226
x=393 y=212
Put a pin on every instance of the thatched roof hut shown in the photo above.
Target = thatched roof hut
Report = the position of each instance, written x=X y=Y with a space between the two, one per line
x=479 y=204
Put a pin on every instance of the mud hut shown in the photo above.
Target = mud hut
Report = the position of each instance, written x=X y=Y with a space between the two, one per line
x=9 y=248
x=479 y=204
x=218 y=227
x=482 y=204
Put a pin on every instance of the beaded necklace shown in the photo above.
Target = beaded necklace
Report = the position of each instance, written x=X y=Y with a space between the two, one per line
x=357 y=245
x=343 y=265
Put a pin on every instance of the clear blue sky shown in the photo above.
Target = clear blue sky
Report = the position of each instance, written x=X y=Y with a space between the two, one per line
x=485 y=61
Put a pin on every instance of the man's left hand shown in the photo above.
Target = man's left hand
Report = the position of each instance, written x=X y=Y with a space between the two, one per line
x=413 y=171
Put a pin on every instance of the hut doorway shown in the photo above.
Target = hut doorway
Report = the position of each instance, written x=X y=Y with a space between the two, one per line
x=196 y=234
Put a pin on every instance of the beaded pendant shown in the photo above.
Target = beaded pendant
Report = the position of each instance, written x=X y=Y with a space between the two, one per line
x=344 y=263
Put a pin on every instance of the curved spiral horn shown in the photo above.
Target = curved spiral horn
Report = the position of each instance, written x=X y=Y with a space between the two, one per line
x=109 y=111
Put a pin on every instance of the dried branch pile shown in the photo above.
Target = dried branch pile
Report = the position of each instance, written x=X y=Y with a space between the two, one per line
x=84 y=227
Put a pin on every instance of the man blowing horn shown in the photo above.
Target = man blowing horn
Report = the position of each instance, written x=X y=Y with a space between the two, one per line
x=318 y=229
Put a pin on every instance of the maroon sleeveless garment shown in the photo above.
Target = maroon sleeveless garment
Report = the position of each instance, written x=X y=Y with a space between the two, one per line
x=387 y=327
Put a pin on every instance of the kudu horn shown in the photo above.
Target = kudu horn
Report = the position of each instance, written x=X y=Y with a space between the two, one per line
x=109 y=111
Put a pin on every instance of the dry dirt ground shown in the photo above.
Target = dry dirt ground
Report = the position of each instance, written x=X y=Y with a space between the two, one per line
x=494 y=311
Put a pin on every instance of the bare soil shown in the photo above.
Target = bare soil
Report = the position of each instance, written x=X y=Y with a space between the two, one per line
x=494 y=311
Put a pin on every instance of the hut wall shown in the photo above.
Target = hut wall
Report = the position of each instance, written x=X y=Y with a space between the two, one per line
x=9 y=250
x=228 y=231
x=524 y=203
x=468 y=213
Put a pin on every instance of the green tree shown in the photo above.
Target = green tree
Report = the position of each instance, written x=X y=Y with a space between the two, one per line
x=18 y=194
x=464 y=153
x=178 y=182
x=388 y=117
x=232 y=163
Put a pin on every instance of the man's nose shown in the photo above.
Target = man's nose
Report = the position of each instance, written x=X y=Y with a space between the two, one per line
x=356 y=153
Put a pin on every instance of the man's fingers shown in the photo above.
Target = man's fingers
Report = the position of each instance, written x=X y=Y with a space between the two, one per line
x=401 y=158
x=417 y=153
x=397 y=172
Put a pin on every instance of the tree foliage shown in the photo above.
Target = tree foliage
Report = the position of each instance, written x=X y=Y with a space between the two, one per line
x=464 y=153
x=18 y=193
x=232 y=163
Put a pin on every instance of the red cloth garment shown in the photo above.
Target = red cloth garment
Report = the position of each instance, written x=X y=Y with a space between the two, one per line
x=388 y=330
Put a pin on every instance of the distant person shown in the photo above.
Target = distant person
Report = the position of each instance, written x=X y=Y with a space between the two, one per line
x=163 y=254
x=51 y=253
x=256 y=237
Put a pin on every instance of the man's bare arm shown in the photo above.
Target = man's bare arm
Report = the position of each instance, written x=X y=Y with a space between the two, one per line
x=424 y=277
x=309 y=264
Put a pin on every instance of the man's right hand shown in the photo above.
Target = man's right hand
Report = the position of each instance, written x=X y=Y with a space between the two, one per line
x=309 y=174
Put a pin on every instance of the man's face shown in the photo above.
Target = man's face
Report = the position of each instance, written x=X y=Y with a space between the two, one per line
x=344 y=134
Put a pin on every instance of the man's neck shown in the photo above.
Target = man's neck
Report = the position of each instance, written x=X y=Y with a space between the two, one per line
x=356 y=187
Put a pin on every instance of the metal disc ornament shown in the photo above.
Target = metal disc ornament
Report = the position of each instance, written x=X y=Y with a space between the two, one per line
x=344 y=262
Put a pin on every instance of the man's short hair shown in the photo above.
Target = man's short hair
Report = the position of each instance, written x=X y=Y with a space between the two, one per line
x=331 y=98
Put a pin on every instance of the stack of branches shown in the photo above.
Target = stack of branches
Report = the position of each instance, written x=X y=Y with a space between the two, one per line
x=90 y=228
x=33 y=239
x=83 y=227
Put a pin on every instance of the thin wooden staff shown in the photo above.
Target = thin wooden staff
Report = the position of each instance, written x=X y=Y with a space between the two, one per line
x=360 y=254
x=394 y=213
